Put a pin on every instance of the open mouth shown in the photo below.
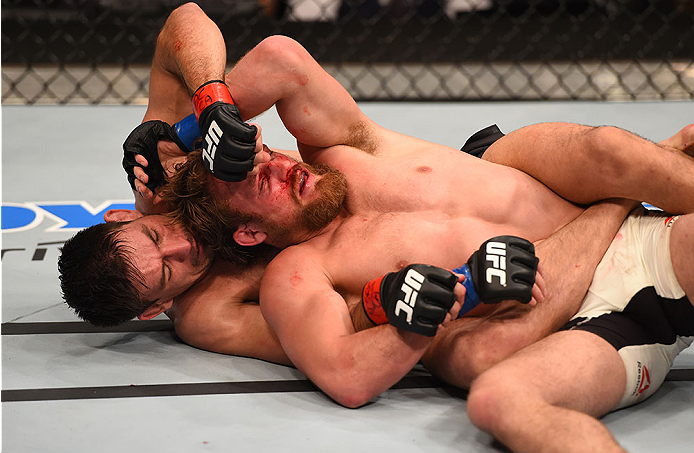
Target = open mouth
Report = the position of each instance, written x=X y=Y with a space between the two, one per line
x=300 y=178
x=302 y=181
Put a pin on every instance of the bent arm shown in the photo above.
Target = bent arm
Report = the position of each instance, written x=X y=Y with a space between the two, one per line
x=313 y=106
x=220 y=314
x=190 y=51
x=315 y=329
x=235 y=328
x=568 y=258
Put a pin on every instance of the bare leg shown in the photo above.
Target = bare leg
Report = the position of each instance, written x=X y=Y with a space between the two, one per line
x=546 y=396
x=585 y=164
x=681 y=141
x=470 y=346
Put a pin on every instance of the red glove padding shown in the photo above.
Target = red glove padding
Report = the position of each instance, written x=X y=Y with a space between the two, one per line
x=229 y=142
x=416 y=298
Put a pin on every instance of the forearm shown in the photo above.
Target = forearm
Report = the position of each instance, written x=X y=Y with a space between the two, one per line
x=569 y=257
x=191 y=47
x=365 y=364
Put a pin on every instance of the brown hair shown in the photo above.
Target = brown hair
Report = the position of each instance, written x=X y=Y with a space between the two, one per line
x=211 y=221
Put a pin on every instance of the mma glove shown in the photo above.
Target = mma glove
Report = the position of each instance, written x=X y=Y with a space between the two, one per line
x=504 y=268
x=143 y=140
x=229 y=148
x=416 y=298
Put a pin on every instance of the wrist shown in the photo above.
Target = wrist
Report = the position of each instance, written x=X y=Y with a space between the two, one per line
x=371 y=302
x=208 y=93
x=188 y=132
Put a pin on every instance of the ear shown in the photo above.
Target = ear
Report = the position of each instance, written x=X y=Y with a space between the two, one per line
x=155 y=309
x=250 y=234
x=121 y=215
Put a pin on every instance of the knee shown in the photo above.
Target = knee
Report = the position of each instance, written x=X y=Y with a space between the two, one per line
x=606 y=146
x=490 y=397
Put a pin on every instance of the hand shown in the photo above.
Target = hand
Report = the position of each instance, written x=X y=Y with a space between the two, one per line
x=170 y=156
x=417 y=298
x=142 y=145
x=230 y=144
x=504 y=268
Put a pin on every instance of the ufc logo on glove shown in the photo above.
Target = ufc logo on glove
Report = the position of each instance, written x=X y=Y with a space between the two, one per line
x=214 y=134
x=410 y=287
x=496 y=254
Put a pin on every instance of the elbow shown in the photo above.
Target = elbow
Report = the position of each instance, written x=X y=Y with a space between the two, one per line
x=184 y=11
x=347 y=387
x=286 y=56
x=351 y=398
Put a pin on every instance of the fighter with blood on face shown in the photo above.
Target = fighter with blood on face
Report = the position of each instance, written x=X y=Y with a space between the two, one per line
x=398 y=210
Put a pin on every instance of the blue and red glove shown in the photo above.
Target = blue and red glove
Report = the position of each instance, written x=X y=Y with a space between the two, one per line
x=229 y=148
x=418 y=297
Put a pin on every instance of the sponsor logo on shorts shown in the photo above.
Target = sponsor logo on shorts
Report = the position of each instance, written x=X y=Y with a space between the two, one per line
x=496 y=254
x=410 y=288
x=643 y=380
x=669 y=221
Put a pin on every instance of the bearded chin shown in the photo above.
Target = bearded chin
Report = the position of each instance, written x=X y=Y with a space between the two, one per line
x=333 y=190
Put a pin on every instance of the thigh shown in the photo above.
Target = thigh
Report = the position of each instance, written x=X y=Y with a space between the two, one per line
x=576 y=370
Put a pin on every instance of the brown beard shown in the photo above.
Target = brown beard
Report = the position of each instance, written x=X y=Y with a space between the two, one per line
x=316 y=215
x=214 y=222
x=332 y=189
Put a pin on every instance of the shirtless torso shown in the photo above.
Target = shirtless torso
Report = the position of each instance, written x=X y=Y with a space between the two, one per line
x=426 y=203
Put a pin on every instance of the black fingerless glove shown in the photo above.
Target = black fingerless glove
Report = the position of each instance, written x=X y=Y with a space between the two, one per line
x=143 y=140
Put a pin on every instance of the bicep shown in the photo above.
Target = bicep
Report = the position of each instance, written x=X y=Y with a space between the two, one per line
x=236 y=329
x=309 y=323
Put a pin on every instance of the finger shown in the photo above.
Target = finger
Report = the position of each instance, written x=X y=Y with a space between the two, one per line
x=540 y=279
x=140 y=159
x=455 y=309
x=258 y=137
x=459 y=291
x=141 y=175
x=143 y=190
x=262 y=156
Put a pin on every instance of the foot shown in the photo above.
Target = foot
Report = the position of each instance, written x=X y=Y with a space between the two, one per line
x=682 y=141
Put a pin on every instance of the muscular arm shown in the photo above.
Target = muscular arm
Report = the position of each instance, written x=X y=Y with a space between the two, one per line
x=190 y=51
x=314 y=327
x=313 y=106
x=218 y=314
x=568 y=258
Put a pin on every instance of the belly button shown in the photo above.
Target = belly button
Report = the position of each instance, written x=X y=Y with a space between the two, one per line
x=401 y=264
x=424 y=169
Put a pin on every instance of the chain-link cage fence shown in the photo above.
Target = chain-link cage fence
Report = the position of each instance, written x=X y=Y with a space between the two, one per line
x=98 y=51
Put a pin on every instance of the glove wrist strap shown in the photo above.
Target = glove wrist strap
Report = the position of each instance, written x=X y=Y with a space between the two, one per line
x=209 y=93
x=371 y=301
x=472 y=299
x=188 y=132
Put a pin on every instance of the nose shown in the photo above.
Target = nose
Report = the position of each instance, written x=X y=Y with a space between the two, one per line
x=176 y=248
x=278 y=169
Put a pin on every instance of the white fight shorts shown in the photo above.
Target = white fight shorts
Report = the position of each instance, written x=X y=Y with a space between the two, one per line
x=636 y=304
